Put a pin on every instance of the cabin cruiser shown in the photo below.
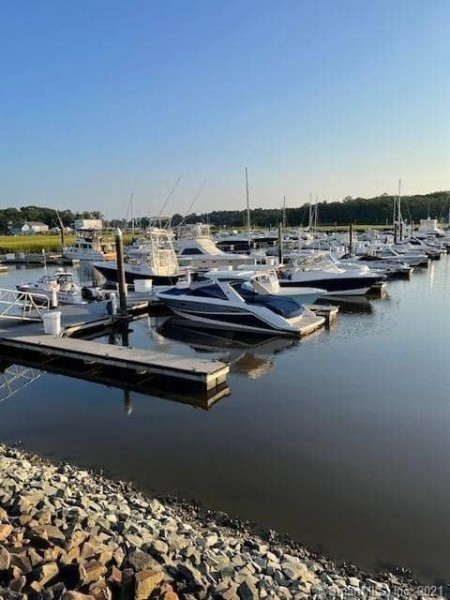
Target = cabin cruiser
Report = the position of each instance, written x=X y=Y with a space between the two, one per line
x=413 y=258
x=196 y=249
x=319 y=270
x=152 y=258
x=391 y=268
x=266 y=282
x=59 y=287
x=91 y=247
x=229 y=305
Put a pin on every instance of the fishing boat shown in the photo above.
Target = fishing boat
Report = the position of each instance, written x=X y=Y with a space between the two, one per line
x=230 y=305
x=90 y=247
x=150 y=258
x=59 y=287
x=196 y=249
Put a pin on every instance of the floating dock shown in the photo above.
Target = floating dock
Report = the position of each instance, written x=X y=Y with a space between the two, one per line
x=133 y=362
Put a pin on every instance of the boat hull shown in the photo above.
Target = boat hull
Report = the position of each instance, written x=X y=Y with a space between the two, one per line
x=343 y=286
x=236 y=318
x=110 y=272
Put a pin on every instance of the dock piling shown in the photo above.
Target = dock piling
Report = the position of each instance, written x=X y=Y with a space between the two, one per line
x=121 y=274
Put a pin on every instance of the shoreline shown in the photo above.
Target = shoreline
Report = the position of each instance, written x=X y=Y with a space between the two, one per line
x=72 y=533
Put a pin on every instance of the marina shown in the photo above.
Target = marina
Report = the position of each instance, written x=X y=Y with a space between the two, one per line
x=307 y=405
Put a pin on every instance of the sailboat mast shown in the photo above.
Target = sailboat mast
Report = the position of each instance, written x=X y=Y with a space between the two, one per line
x=132 y=216
x=248 y=205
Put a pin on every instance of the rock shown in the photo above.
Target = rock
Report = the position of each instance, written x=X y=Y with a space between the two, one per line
x=145 y=583
x=100 y=590
x=166 y=592
x=247 y=591
x=141 y=561
x=45 y=573
x=5 y=559
x=91 y=571
x=71 y=595
x=5 y=531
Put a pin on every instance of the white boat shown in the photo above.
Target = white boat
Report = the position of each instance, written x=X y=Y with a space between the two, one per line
x=152 y=258
x=267 y=283
x=60 y=287
x=90 y=247
x=196 y=249
x=228 y=305
x=318 y=270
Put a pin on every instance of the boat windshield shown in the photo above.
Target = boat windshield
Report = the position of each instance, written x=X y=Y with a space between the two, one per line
x=284 y=306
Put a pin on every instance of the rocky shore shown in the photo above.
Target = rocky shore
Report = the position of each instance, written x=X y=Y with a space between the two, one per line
x=66 y=533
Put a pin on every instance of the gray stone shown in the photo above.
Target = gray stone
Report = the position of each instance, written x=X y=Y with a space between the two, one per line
x=247 y=591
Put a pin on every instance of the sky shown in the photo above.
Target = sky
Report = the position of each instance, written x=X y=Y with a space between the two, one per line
x=170 y=100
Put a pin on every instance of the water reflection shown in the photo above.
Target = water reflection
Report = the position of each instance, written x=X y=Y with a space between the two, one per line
x=249 y=354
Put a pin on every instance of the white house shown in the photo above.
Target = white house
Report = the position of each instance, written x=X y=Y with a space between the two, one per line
x=29 y=228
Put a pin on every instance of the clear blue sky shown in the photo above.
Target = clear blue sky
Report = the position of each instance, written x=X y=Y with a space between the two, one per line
x=100 y=98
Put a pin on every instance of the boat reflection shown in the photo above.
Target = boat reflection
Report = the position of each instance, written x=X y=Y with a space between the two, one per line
x=249 y=354
x=351 y=304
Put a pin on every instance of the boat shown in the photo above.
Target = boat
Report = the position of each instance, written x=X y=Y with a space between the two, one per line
x=266 y=283
x=59 y=287
x=151 y=258
x=196 y=249
x=229 y=305
x=319 y=270
x=90 y=247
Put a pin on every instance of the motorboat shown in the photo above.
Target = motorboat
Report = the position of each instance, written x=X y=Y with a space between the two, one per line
x=391 y=268
x=319 y=270
x=90 y=247
x=229 y=305
x=59 y=287
x=196 y=249
x=151 y=258
x=413 y=258
x=266 y=283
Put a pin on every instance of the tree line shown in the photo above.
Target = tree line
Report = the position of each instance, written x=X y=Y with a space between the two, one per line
x=361 y=211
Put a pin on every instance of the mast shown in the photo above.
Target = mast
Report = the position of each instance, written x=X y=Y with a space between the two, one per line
x=132 y=216
x=248 y=205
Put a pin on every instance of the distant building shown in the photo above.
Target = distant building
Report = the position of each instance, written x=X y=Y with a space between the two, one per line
x=29 y=228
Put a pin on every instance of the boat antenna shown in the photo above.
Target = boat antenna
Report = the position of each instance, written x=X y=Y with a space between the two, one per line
x=169 y=196
x=196 y=197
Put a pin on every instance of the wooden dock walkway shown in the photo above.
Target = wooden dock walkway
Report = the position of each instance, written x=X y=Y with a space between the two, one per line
x=133 y=361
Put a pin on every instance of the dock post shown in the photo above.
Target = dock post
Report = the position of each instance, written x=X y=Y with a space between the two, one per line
x=350 y=239
x=121 y=273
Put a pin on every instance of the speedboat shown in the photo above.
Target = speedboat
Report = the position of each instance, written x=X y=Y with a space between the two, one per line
x=229 y=305
x=59 y=287
x=318 y=270
x=266 y=282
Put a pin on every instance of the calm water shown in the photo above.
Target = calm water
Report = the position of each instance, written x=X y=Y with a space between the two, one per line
x=342 y=440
